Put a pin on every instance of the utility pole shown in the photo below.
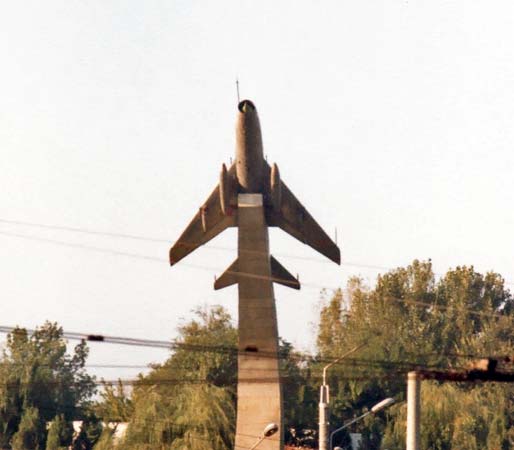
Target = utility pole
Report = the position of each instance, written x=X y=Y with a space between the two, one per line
x=413 y=410
x=323 y=417
x=324 y=402
x=482 y=370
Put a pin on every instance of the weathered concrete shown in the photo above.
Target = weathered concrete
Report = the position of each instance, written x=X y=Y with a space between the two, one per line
x=259 y=392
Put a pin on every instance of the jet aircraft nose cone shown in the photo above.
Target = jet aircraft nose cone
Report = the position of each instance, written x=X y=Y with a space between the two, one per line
x=246 y=106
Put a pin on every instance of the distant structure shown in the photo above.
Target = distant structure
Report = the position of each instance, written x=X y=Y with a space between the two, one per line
x=251 y=196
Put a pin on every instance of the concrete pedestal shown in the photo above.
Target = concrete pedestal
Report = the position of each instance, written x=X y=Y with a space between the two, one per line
x=259 y=397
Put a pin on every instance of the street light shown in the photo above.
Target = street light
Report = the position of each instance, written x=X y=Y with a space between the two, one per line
x=378 y=407
x=325 y=400
x=268 y=431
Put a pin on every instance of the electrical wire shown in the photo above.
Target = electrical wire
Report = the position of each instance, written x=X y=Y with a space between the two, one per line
x=181 y=346
x=179 y=381
x=85 y=231
x=208 y=246
x=168 y=345
x=152 y=258
x=391 y=375
x=233 y=351
x=244 y=274
x=353 y=363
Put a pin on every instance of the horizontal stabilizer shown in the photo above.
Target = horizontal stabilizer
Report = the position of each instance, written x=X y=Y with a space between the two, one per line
x=228 y=278
x=280 y=275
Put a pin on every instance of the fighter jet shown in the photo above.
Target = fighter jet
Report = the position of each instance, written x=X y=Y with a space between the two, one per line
x=251 y=196
x=251 y=174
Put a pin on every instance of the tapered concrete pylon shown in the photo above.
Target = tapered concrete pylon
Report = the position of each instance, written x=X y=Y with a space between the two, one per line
x=258 y=390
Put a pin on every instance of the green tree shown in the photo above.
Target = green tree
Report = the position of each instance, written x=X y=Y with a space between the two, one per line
x=60 y=434
x=454 y=418
x=189 y=401
x=300 y=396
x=31 y=432
x=38 y=376
x=90 y=431
x=115 y=406
x=105 y=442
x=412 y=319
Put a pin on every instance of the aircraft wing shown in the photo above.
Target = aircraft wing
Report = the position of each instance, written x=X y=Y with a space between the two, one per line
x=208 y=222
x=294 y=219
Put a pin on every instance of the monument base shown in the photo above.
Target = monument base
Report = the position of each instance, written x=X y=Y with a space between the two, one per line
x=259 y=396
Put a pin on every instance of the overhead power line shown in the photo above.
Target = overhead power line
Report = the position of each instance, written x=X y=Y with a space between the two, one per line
x=147 y=258
x=223 y=349
x=473 y=375
x=83 y=246
x=407 y=301
x=135 y=237
x=142 y=238
x=315 y=371
x=85 y=231
x=179 y=381
x=173 y=345
x=216 y=269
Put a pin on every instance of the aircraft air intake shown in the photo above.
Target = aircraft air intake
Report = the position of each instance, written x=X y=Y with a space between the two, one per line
x=246 y=106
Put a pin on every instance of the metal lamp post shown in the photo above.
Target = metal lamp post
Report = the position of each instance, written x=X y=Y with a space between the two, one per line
x=268 y=431
x=379 y=406
x=324 y=401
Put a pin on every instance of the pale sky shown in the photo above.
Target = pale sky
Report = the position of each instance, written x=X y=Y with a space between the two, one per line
x=390 y=120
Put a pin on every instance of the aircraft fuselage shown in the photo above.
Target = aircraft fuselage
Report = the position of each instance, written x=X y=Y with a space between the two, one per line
x=249 y=153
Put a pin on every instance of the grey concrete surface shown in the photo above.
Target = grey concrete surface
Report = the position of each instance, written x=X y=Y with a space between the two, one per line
x=259 y=392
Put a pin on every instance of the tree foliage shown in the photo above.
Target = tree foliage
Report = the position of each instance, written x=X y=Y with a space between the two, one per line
x=39 y=382
x=31 y=431
x=408 y=319
x=60 y=434
x=411 y=319
x=189 y=401
x=459 y=419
